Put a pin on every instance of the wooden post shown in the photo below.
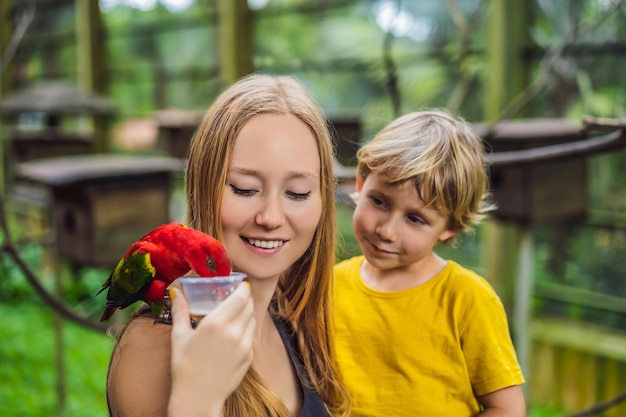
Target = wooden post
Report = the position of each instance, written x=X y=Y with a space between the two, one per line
x=59 y=343
x=523 y=298
x=6 y=31
x=91 y=61
x=235 y=40
x=507 y=71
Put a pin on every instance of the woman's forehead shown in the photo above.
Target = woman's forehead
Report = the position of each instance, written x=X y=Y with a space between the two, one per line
x=274 y=142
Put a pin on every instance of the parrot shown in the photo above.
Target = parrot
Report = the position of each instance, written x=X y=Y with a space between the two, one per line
x=153 y=262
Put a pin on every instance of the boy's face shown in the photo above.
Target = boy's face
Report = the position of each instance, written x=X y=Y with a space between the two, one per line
x=392 y=226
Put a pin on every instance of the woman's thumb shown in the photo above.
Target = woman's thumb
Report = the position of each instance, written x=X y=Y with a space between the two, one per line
x=180 y=310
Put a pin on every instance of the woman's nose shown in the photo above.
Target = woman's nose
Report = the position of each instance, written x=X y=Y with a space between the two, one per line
x=271 y=214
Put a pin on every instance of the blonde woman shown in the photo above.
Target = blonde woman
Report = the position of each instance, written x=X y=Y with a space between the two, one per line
x=259 y=178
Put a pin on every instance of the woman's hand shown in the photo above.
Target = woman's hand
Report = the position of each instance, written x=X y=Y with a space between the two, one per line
x=209 y=362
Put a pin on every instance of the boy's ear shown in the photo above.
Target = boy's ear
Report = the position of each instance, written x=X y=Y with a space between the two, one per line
x=359 y=183
x=447 y=234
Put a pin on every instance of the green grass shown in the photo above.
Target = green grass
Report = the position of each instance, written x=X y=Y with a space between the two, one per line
x=538 y=411
x=27 y=370
x=347 y=246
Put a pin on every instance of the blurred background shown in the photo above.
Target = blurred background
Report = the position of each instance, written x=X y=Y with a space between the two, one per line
x=99 y=99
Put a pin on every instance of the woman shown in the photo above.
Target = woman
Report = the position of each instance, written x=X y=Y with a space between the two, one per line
x=259 y=179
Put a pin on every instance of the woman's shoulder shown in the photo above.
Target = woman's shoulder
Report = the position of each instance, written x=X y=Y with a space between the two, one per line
x=144 y=328
x=139 y=367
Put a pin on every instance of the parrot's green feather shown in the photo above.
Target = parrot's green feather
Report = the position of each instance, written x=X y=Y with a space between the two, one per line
x=132 y=275
x=157 y=308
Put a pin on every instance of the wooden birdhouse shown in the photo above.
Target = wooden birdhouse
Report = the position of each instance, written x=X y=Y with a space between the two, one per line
x=51 y=119
x=347 y=130
x=98 y=204
x=176 y=129
x=539 y=168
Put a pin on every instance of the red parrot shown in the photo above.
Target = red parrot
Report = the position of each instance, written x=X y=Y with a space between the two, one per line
x=156 y=260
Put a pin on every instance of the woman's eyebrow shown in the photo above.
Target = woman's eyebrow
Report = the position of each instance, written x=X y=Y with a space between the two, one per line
x=303 y=174
x=292 y=174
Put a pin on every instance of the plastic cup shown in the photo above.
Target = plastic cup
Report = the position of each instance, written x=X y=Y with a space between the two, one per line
x=203 y=294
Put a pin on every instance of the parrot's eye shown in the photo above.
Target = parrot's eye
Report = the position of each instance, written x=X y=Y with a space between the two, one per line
x=210 y=263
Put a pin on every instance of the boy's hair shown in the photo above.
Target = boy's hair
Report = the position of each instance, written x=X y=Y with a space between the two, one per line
x=442 y=156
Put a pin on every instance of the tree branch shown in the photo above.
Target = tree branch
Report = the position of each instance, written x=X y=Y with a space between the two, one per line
x=465 y=77
x=391 y=69
x=554 y=54
x=10 y=249
x=601 y=407
x=18 y=34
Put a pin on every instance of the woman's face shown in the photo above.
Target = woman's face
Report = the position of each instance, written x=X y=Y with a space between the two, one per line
x=272 y=202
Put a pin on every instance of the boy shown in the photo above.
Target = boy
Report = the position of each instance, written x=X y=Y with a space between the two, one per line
x=417 y=335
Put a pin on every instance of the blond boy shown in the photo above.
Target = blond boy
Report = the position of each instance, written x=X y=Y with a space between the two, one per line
x=418 y=335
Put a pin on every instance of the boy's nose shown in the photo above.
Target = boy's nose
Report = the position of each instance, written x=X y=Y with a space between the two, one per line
x=387 y=231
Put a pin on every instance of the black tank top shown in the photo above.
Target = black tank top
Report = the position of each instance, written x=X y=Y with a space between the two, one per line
x=312 y=404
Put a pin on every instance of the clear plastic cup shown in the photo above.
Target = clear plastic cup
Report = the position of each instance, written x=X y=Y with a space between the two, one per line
x=205 y=293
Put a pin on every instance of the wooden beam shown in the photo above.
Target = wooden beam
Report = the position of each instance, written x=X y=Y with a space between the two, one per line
x=91 y=61
x=507 y=75
x=6 y=32
x=582 y=148
x=235 y=40
x=507 y=68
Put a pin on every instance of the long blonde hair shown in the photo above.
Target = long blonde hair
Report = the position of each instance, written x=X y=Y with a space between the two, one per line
x=302 y=298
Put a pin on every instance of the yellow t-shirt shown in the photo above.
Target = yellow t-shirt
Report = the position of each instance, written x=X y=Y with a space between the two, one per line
x=424 y=351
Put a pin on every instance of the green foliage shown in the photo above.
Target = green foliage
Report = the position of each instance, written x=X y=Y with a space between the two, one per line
x=81 y=288
x=540 y=411
x=347 y=246
x=563 y=257
x=28 y=372
x=13 y=285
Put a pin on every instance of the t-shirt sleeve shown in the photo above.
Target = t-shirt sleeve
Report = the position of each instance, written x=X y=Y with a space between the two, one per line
x=486 y=342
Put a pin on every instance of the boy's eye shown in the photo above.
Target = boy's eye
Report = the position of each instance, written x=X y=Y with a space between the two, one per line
x=242 y=191
x=377 y=201
x=299 y=196
x=416 y=219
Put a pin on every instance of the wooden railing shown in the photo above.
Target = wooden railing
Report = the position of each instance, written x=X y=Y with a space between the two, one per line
x=574 y=366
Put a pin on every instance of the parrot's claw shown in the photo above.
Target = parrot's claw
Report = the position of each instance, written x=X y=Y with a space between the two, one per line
x=166 y=314
x=164 y=318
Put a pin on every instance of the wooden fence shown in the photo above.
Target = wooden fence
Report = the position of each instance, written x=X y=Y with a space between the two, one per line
x=575 y=365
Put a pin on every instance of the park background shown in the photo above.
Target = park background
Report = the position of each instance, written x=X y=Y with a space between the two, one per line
x=160 y=64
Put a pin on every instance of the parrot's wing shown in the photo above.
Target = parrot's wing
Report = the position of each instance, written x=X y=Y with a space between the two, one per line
x=130 y=279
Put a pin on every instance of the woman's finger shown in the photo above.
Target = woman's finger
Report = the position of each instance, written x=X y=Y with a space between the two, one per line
x=232 y=306
x=180 y=311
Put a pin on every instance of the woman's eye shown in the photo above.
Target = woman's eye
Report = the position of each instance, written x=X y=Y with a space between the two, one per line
x=241 y=191
x=299 y=196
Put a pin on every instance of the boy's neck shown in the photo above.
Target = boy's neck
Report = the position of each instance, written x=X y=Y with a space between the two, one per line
x=399 y=279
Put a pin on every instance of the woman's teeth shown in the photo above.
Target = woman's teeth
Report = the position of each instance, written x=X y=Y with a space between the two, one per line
x=265 y=244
